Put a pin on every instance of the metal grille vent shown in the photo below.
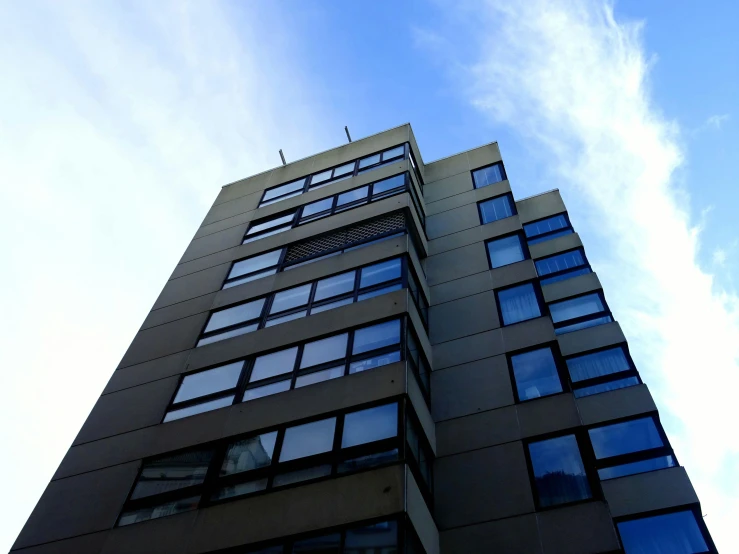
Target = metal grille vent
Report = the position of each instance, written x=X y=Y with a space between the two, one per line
x=390 y=223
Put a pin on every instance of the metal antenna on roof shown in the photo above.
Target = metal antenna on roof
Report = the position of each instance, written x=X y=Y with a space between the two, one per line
x=283 y=157
x=347 y=133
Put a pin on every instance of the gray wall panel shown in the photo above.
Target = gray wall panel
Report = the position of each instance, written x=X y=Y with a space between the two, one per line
x=590 y=339
x=466 y=316
x=476 y=431
x=554 y=246
x=456 y=264
x=483 y=155
x=656 y=490
x=513 y=535
x=582 y=529
x=84 y=544
x=449 y=186
x=192 y=286
x=459 y=288
x=148 y=371
x=215 y=242
x=546 y=415
x=528 y=333
x=163 y=340
x=178 y=311
x=446 y=167
x=615 y=404
x=468 y=349
x=571 y=287
x=420 y=516
x=540 y=206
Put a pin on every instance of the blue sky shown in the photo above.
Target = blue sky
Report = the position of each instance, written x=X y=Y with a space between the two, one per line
x=120 y=122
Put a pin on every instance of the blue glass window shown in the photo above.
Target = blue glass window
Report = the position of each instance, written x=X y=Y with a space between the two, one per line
x=380 y=273
x=376 y=336
x=506 y=251
x=605 y=387
x=652 y=464
x=625 y=438
x=598 y=364
x=308 y=439
x=381 y=187
x=546 y=229
x=675 y=533
x=370 y=425
x=518 y=304
x=558 y=471
x=562 y=266
x=496 y=208
x=579 y=308
x=535 y=373
x=488 y=175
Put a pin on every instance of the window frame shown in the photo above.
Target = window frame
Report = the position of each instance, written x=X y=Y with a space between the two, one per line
x=213 y=481
x=562 y=272
x=522 y=242
x=308 y=179
x=502 y=172
x=277 y=267
x=602 y=379
x=606 y=312
x=562 y=373
x=509 y=195
x=543 y=237
x=543 y=311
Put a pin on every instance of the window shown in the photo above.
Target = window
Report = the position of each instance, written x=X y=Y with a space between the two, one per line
x=558 y=470
x=579 y=312
x=629 y=447
x=205 y=391
x=253 y=268
x=496 y=208
x=349 y=440
x=562 y=266
x=518 y=304
x=418 y=454
x=505 y=251
x=601 y=371
x=549 y=228
x=329 y=176
x=678 y=532
x=488 y=175
x=268 y=227
x=232 y=322
x=535 y=374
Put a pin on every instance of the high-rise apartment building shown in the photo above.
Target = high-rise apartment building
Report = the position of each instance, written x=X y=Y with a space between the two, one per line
x=360 y=352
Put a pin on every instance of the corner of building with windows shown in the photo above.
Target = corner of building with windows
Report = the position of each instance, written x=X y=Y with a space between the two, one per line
x=360 y=352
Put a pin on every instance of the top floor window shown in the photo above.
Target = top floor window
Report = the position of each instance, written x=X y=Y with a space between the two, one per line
x=496 y=208
x=562 y=266
x=548 y=228
x=488 y=175
x=332 y=175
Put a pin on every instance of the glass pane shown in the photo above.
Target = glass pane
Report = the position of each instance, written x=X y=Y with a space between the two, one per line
x=289 y=317
x=241 y=489
x=369 y=160
x=266 y=390
x=318 y=376
x=228 y=334
x=488 y=175
x=551 y=236
x=388 y=184
x=376 y=336
x=252 y=277
x=292 y=186
x=199 y=408
x=597 y=364
x=328 y=544
x=317 y=207
x=583 y=325
x=237 y=314
x=292 y=194
x=561 y=262
x=269 y=224
x=605 y=387
x=676 y=533
x=625 y=437
x=545 y=226
x=345 y=169
x=324 y=350
x=352 y=196
x=266 y=234
x=379 y=292
x=558 y=471
x=276 y=363
x=301 y=475
x=321 y=177
x=370 y=425
x=255 y=264
x=505 y=251
x=172 y=472
x=496 y=208
x=331 y=305
x=643 y=466
x=154 y=512
x=375 y=361
x=210 y=381
x=333 y=286
x=248 y=454
x=379 y=273
x=380 y=538
x=518 y=304
x=393 y=153
x=370 y=460
x=308 y=439
x=566 y=275
x=290 y=298
x=536 y=374
x=576 y=307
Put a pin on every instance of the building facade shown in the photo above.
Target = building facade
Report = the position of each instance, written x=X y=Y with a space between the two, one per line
x=360 y=352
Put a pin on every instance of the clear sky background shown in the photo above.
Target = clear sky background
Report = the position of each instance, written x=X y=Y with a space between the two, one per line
x=119 y=122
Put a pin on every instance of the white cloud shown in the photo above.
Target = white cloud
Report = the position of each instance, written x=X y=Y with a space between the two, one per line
x=719 y=256
x=715 y=121
x=118 y=125
x=573 y=80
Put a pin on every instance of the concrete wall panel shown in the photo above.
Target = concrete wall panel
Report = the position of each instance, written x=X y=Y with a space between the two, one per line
x=645 y=492
x=455 y=264
x=466 y=316
x=528 y=333
x=547 y=415
x=192 y=285
x=555 y=246
x=480 y=430
x=148 y=371
x=459 y=288
x=582 y=529
x=571 y=287
x=164 y=340
x=444 y=188
x=615 y=404
x=590 y=339
x=513 y=535
x=540 y=206
x=468 y=349
x=420 y=516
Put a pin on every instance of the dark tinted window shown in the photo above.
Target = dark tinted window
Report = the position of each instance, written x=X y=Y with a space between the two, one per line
x=237 y=314
x=380 y=538
x=276 y=363
x=488 y=175
x=518 y=304
x=496 y=208
x=676 y=533
x=170 y=473
x=535 y=373
x=327 y=544
x=248 y=454
x=625 y=437
x=207 y=382
x=545 y=226
x=376 y=336
x=558 y=471
x=506 y=251
x=379 y=273
x=308 y=439
x=597 y=364
x=370 y=425
x=253 y=268
x=576 y=307
x=324 y=350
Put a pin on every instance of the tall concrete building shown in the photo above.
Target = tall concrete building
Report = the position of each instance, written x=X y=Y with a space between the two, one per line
x=360 y=352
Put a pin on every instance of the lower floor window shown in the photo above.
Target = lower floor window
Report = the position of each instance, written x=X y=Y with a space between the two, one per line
x=678 y=532
x=559 y=472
